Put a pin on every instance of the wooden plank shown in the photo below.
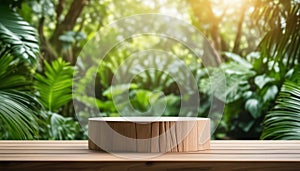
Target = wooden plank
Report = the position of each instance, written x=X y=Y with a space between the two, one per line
x=223 y=155
x=226 y=142
x=81 y=151
x=213 y=142
x=149 y=166
x=220 y=151
x=266 y=145
x=166 y=157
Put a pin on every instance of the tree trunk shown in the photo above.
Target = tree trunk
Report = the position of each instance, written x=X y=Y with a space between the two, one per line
x=205 y=8
x=67 y=24
x=239 y=32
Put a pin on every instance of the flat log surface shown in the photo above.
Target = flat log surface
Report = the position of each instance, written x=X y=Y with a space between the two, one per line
x=223 y=155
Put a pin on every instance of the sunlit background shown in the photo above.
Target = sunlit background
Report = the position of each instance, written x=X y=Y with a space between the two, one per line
x=256 y=44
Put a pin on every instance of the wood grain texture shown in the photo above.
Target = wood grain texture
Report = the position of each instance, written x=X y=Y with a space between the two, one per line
x=223 y=155
x=168 y=134
x=221 y=151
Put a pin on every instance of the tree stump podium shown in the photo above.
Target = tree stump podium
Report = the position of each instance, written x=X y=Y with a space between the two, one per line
x=149 y=134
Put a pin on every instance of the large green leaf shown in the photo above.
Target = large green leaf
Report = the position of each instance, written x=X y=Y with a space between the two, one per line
x=18 y=115
x=17 y=37
x=283 y=122
x=19 y=110
x=55 y=86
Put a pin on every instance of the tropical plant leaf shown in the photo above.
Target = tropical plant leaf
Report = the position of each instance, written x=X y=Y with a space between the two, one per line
x=61 y=128
x=238 y=59
x=12 y=74
x=55 y=87
x=17 y=37
x=283 y=122
x=281 y=41
x=19 y=110
x=18 y=114
x=254 y=107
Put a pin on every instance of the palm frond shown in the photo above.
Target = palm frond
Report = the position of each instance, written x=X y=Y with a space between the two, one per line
x=18 y=109
x=281 y=42
x=283 y=122
x=55 y=87
x=17 y=37
x=18 y=115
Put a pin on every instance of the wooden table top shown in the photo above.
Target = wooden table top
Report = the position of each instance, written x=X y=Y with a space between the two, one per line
x=221 y=151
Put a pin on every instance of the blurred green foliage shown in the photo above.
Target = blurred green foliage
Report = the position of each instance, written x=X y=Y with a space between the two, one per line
x=256 y=43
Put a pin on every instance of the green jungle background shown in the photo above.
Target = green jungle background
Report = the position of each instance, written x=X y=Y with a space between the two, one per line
x=256 y=42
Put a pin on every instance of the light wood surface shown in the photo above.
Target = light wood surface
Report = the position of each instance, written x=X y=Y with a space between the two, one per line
x=223 y=155
x=221 y=151
x=149 y=134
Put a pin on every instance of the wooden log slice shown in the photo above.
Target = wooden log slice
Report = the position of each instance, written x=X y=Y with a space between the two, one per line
x=149 y=134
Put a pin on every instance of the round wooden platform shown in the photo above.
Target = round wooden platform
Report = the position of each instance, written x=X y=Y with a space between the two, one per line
x=149 y=134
